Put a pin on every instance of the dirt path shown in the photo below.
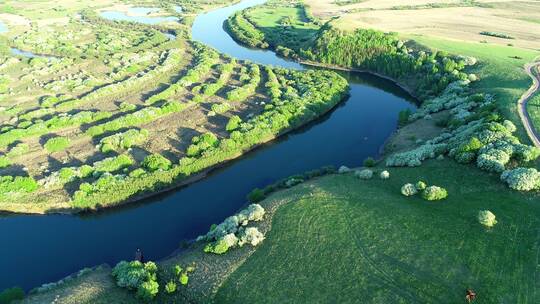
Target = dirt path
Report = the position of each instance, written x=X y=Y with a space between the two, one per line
x=522 y=103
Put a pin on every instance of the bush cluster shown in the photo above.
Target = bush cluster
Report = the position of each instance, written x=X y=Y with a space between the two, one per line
x=434 y=193
x=233 y=231
x=522 y=179
x=155 y=162
x=252 y=80
x=123 y=140
x=137 y=276
x=486 y=218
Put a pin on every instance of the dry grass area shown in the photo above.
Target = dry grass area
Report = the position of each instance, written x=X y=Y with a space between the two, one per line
x=459 y=21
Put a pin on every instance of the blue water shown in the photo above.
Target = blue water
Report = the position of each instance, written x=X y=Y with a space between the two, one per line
x=138 y=16
x=39 y=249
x=177 y=8
x=27 y=54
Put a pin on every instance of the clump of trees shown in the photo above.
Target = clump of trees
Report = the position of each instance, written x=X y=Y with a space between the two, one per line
x=522 y=179
x=434 y=193
x=245 y=32
x=154 y=162
x=123 y=140
x=233 y=231
x=137 y=276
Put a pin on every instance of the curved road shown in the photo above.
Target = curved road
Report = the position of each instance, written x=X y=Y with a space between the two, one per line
x=522 y=103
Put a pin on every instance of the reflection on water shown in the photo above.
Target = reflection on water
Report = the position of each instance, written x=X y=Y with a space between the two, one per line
x=27 y=54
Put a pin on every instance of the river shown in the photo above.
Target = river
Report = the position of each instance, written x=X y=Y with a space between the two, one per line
x=40 y=249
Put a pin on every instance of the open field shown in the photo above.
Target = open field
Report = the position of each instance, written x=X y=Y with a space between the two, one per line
x=459 y=20
x=346 y=239
x=335 y=225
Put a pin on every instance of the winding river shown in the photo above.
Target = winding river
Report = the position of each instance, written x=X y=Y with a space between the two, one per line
x=39 y=249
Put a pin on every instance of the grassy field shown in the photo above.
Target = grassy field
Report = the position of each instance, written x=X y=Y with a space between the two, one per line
x=533 y=107
x=463 y=20
x=346 y=239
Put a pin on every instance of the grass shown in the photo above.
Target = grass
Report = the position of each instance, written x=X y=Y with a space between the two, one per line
x=533 y=107
x=345 y=239
x=287 y=26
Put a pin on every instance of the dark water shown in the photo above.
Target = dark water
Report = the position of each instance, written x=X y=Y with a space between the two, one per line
x=39 y=249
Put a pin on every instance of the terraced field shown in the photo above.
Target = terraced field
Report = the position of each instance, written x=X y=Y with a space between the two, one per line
x=100 y=112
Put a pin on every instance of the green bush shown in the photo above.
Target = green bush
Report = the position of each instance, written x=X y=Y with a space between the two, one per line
x=369 y=162
x=234 y=123
x=56 y=144
x=170 y=287
x=434 y=193
x=17 y=184
x=217 y=247
x=135 y=275
x=155 y=162
x=11 y=294
x=256 y=195
x=113 y=164
x=148 y=290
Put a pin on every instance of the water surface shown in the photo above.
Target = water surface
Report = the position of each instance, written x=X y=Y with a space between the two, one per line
x=137 y=14
x=3 y=27
x=39 y=249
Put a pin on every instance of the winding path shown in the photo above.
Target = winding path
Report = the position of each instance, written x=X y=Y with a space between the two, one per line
x=522 y=102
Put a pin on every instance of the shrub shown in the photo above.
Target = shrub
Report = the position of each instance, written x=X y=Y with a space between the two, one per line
x=9 y=184
x=154 y=162
x=184 y=279
x=234 y=123
x=256 y=195
x=384 y=175
x=434 y=193
x=408 y=190
x=170 y=287
x=522 y=179
x=56 y=144
x=11 y=294
x=486 y=218
x=403 y=117
x=364 y=174
x=132 y=274
x=218 y=247
x=369 y=162
x=123 y=140
x=253 y=212
x=344 y=169
x=493 y=160
x=420 y=185
x=148 y=290
x=112 y=164
x=251 y=235
x=4 y=161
